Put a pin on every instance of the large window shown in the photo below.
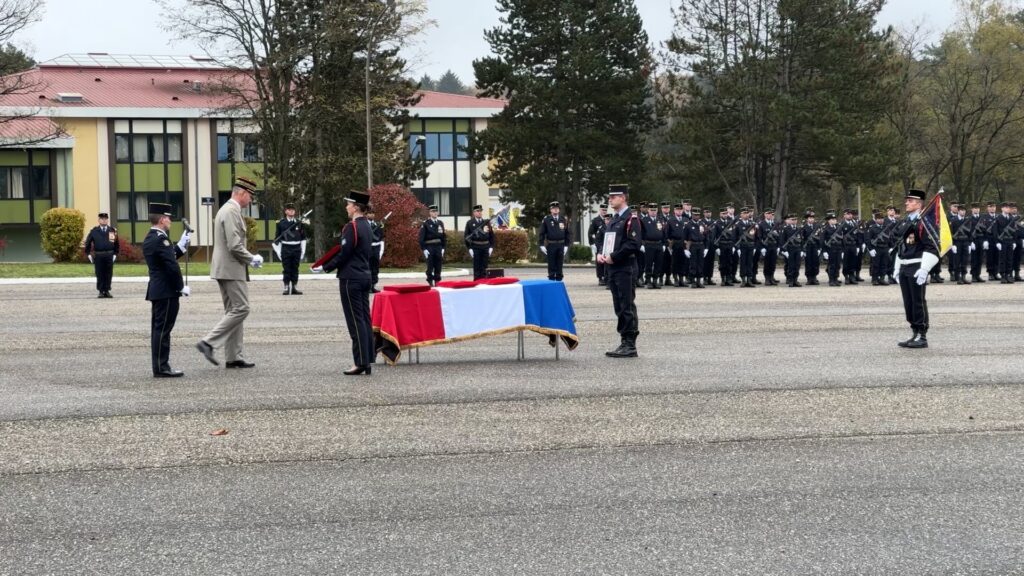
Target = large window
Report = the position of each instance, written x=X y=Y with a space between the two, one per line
x=449 y=201
x=439 y=139
x=239 y=148
x=148 y=168
x=24 y=182
x=240 y=153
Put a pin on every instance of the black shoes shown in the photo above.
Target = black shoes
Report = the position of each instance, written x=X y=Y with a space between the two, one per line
x=916 y=341
x=168 y=373
x=239 y=364
x=359 y=370
x=207 y=351
x=295 y=290
x=104 y=294
x=623 y=351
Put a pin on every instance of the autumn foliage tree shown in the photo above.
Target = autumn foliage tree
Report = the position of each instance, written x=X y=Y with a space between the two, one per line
x=401 y=230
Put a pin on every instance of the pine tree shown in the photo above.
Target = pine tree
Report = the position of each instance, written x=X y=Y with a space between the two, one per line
x=576 y=78
x=449 y=83
x=427 y=83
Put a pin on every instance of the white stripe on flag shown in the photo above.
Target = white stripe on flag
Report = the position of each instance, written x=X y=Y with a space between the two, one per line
x=481 y=309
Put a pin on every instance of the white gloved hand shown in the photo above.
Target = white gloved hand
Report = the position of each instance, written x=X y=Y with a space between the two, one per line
x=470 y=252
x=686 y=253
x=185 y=239
x=718 y=251
x=544 y=250
x=803 y=254
x=442 y=253
x=186 y=291
x=951 y=249
x=490 y=251
x=317 y=269
x=426 y=253
x=872 y=253
x=257 y=261
x=863 y=248
x=857 y=252
x=785 y=254
x=302 y=251
x=825 y=256
x=764 y=251
x=984 y=245
x=90 y=258
x=970 y=247
x=921 y=277
x=114 y=258
x=380 y=253
x=705 y=252
x=999 y=246
x=277 y=249
x=565 y=250
x=642 y=249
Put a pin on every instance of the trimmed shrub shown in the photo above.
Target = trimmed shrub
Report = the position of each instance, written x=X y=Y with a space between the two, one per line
x=402 y=228
x=129 y=253
x=62 y=231
x=456 y=250
x=252 y=228
x=510 y=246
x=579 y=253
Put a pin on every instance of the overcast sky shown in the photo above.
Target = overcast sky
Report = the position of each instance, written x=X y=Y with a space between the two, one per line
x=135 y=27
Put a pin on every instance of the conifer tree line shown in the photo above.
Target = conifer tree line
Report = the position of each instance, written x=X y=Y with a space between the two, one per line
x=784 y=104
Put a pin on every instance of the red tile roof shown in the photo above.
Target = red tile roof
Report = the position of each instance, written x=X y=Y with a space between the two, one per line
x=29 y=129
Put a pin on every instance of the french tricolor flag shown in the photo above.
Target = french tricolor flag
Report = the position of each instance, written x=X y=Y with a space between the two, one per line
x=417 y=315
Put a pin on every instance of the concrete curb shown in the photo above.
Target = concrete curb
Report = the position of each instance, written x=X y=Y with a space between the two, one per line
x=417 y=275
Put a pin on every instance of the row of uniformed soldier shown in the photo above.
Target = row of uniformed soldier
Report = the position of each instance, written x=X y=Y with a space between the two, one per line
x=694 y=240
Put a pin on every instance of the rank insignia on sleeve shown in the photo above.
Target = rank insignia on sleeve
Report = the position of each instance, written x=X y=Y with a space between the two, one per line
x=561 y=225
x=167 y=242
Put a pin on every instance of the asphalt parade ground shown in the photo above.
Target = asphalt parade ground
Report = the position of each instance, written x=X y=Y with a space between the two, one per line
x=762 y=431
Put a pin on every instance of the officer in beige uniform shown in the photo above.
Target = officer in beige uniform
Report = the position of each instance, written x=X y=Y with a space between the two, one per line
x=229 y=269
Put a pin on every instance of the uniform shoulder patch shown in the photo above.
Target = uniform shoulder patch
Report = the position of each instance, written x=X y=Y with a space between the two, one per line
x=167 y=242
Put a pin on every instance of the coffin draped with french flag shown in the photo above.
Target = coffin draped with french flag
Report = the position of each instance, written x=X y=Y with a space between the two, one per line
x=412 y=316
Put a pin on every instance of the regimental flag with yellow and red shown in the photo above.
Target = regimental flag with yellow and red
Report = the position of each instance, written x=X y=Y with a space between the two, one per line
x=936 y=224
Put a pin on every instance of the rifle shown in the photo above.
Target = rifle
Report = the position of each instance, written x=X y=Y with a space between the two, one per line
x=836 y=239
x=799 y=237
x=725 y=230
x=1009 y=234
x=961 y=234
x=294 y=224
x=883 y=239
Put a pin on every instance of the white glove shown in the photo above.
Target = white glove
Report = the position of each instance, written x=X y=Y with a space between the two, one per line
x=490 y=251
x=565 y=250
x=825 y=256
x=544 y=250
x=470 y=252
x=380 y=253
x=90 y=259
x=185 y=239
x=442 y=253
x=951 y=248
x=426 y=253
x=984 y=245
x=186 y=291
x=999 y=246
x=921 y=276
x=863 y=247
x=257 y=261
x=718 y=251
x=785 y=254
x=114 y=258
x=970 y=247
x=872 y=252
x=686 y=253
x=317 y=269
x=803 y=254
x=642 y=249
x=277 y=249
x=736 y=251
x=302 y=251
x=705 y=252
x=857 y=252
x=764 y=251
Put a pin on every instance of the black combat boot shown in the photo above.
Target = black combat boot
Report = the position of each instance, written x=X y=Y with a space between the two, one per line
x=295 y=290
x=875 y=281
x=906 y=343
x=937 y=279
x=813 y=281
x=918 y=341
x=287 y=289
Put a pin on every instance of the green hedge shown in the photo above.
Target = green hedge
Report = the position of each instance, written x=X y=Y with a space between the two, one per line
x=62 y=231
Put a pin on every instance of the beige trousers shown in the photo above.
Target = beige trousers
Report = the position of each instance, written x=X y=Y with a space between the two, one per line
x=228 y=332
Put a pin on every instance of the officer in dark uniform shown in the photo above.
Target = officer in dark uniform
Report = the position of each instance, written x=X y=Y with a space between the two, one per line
x=165 y=287
x=768 y=247
x=653 y=241
x=638 y=262
x=694 y=245
x=708 y=266
x=101 y=248
x=976 y=247
x=353 y=265
x=917 y=254
x=878 y=250
x=479 y=238
x=725 y=245
x=833 y=250
x=1006 y=242
x=746 y=241
x=595 y=236
x=554 y=239
x=791 y=245
x=960 y=252
x=290 y=246
x=1017 y=253
x=988 y=245
x=892 y=220
x=433 y=242
x=665 y=216
x=626 y=247
x=376 y=249
x=811 y=248
x=676 y=237
x=858 y=263
x=851 y=247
